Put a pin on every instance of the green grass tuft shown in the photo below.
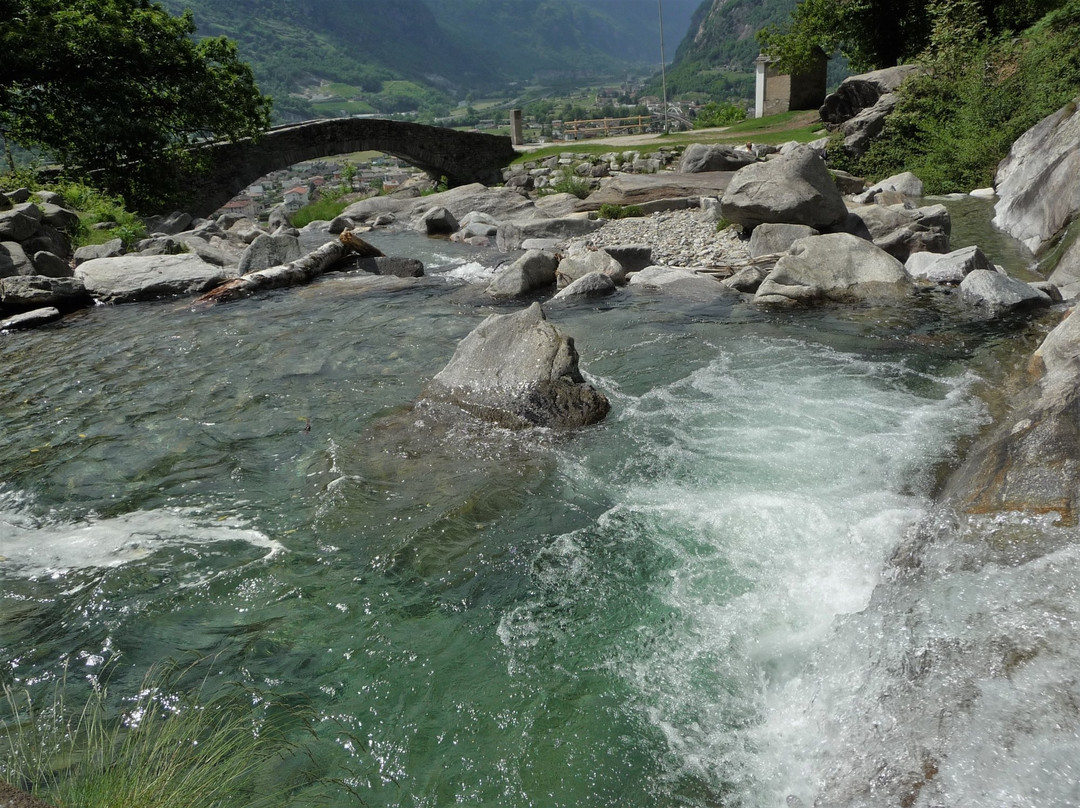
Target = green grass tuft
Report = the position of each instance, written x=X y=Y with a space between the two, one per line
x=160 y=749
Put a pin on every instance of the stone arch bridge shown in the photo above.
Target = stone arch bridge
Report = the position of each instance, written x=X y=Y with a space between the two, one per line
x=461 y=157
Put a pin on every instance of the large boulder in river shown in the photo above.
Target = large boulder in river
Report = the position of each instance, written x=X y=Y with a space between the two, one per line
x=997 y=293
x=518 y=370
x=834 y=267
x=130 y=278
x=533 y=270
x=1036 y=183
x=792 y=189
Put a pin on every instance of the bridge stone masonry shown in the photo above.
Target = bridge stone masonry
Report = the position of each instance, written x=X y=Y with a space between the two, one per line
x=460 y=157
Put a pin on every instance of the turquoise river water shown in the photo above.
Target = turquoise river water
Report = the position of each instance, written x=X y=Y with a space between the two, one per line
x=636 y=614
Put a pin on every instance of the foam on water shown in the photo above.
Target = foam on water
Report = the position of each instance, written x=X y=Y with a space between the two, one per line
x=32 y=546
x=773 y=483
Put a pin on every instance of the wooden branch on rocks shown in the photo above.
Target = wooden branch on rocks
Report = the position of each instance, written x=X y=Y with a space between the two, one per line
x=302 y=270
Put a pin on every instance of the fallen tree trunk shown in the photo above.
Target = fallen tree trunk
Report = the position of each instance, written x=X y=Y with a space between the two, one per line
x=302 y=270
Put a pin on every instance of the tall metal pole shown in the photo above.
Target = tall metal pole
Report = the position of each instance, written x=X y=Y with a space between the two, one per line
x=663 y=62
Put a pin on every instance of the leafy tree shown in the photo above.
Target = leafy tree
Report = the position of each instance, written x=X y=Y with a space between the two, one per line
x=715 y=114
x=870 y=33
x=117 y=90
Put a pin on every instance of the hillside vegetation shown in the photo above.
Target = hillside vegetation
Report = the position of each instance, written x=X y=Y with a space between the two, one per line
x=985 y=84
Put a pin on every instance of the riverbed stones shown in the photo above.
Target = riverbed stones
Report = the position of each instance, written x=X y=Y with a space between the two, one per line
x=901 y=231
x=396 y=266
x=595 y=284
x=1036 y=182
x=792 y=189
x=18 y=225
x=518 y=370
x=536 y=269
x=997 y=293
x=836 y=267
x=132 y=278
x=905 y=184
x=642 y=189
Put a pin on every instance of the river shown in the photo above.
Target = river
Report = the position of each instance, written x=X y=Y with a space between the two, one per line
x=640 y=613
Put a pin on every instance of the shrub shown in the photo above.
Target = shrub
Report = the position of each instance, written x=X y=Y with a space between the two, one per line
x=714 y=114
x=571 y=184
x=612 y=211
x=326 y=208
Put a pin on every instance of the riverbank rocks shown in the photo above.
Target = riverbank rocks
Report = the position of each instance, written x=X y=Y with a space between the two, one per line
x=950 y=268
x=512 y=235
x=1030 y=464
x=997 y=293
x=682 y=282
x=792 y=189
x=644 y=189
x=834 y=267
x=581 y=262
x=533 y=270
x=30 y=319
x=901 y=231
x=518 y=370
x=27 y=292
x=700 y=157
x=595 y=284
x=131 y=278
x=269 y=251
x=1036 y=183
x=770 y=238
x=861 y=104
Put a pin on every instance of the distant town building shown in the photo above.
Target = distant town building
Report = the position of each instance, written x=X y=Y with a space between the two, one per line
x=781 y=92
x=296 y=197
x=244 y=205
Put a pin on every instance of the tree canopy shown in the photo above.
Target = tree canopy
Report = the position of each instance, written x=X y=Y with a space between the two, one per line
x=881 y=33
x=118 y=90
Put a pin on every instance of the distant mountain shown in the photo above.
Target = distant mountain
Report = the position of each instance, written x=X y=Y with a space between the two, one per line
x=716 y=59
x=722 y=32
x=393 y=55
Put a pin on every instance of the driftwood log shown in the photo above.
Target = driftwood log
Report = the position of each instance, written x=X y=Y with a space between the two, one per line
x=302 y=270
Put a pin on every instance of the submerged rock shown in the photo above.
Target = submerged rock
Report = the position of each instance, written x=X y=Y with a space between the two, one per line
x=518 y=370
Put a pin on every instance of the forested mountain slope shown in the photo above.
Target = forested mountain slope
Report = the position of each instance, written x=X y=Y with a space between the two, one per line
x=441 y=48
